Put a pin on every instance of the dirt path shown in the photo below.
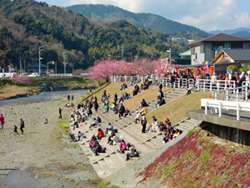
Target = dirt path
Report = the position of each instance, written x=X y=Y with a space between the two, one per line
x=43 y=156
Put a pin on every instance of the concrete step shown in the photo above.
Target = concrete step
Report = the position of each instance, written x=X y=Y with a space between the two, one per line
x=105 y=168
x=99 y=170
x=111 y=163
x=116 y=159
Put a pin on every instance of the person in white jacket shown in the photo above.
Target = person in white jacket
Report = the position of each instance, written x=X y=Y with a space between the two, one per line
x=138 y=117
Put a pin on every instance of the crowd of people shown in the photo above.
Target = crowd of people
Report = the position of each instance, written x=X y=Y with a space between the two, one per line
x=84 y=111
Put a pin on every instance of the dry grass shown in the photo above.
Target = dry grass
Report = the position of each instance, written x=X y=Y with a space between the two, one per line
x=12 y=91
x=128 y=90
x=148 y=95
x=175 y=110
x=111 y=89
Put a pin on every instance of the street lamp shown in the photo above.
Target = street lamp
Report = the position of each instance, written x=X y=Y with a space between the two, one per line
x=169 y=51
x=40 y=49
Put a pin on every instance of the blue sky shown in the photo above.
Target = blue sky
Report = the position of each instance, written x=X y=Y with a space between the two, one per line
x=204 y=14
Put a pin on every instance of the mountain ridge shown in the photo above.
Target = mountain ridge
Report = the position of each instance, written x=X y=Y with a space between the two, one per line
x=156 y=23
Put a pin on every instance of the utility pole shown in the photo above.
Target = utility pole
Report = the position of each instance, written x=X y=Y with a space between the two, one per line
x=64 y=57
x=55 y=67
x=40 y=49
x=20 y=66
x=24 y=66
x=122 y=51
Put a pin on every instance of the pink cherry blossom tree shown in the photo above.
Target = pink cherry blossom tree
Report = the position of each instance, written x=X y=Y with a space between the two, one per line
x=20 y=80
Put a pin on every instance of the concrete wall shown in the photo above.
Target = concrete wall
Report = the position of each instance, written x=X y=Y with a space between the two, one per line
x=228 y=133
x=200 y=56
x=208 y=52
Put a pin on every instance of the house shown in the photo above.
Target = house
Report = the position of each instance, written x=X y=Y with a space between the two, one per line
x=207 y=49
x=185 y=58
x=227 y=57
x=35 y=68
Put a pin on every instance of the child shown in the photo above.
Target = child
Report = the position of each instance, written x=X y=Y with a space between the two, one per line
x=15 y=130
x=107 y=107
x=46 y=121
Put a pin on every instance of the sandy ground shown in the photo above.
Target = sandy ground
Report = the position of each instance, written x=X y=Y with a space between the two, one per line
x=43 y=156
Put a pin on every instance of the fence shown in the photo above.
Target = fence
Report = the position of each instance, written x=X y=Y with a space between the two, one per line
x=201 y=84
x=232 y=93
x=138 y=79
x=60 y=75
x=218 y=105
x=209 y=85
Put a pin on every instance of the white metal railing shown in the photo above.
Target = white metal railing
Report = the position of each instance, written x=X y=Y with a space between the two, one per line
x=232 y=93
x=177 y=83
x=219 y=105
x=60 y=75
x=208 y=85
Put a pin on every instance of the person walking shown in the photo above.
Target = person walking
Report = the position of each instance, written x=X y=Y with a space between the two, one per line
x=21 y=125
x=72 y=97
x=60 y=113
x=68 y=97
x=1 y=121
x=115 y=98
x=15 y=130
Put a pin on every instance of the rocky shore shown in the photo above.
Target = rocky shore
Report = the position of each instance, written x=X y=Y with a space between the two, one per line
x=43 y=156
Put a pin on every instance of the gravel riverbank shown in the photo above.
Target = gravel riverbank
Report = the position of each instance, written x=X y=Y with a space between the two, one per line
x=43 y=156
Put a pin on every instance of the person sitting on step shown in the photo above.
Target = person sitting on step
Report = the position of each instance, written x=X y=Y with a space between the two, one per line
x=109 y=128
x=110 y=140
x=154 y=125
x=123 y=146
x=100 y=134
x=138 y=117
x=95 y=122
x=127 y=113
x=80 y=136
x=131 y=152
x=98 y=119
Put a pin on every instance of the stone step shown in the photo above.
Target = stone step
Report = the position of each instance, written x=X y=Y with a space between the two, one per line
x=116 y=159
x=105 y=168
x=100 y=172
x=111 y=163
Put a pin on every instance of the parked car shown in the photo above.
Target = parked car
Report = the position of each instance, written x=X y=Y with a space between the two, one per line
x=33 y=75
x=24 y=74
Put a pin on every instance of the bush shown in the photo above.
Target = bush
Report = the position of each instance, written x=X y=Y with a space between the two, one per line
x=232 y=67
x=21 y=80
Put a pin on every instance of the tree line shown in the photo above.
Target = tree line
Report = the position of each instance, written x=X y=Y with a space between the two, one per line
x=27 y=24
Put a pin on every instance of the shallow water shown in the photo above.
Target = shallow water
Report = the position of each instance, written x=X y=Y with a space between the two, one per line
x=44 y=96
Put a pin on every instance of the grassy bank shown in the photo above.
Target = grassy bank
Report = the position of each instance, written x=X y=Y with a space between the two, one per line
x=175 y=110
x=198 y=161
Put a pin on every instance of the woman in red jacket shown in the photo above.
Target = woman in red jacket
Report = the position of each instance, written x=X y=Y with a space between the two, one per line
x=100 y=133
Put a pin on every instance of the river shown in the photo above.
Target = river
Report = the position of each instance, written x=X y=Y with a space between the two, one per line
x=44 y=96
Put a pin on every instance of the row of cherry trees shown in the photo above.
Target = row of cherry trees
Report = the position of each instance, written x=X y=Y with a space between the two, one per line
x=106 y=68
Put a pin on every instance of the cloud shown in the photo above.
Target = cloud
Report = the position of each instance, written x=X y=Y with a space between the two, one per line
x=204 y=14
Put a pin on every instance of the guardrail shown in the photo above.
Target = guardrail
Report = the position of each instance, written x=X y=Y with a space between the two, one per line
x=219 y=104
x=60 y=75
x=232 y=93
x=209 y=85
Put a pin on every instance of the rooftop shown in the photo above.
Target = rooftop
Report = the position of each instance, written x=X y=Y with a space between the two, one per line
x=221 y=37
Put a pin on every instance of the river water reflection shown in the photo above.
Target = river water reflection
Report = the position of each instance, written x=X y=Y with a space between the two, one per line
x=44 y=96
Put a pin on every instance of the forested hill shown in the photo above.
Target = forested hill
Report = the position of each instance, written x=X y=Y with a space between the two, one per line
x=110 y=13
x=26 y=24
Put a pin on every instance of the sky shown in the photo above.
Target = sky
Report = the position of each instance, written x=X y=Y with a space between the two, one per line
x=207 y=15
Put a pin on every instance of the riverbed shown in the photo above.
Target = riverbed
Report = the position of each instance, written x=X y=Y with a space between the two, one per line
x=43 y=156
